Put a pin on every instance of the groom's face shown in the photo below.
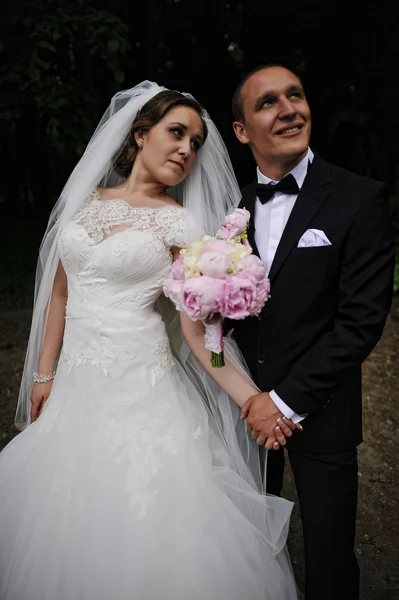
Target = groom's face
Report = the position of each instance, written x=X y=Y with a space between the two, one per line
x=277 y=119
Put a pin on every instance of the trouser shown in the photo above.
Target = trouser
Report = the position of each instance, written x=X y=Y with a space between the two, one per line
x=327 y=491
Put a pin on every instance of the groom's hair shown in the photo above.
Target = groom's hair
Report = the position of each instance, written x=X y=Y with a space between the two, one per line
x=236 y=103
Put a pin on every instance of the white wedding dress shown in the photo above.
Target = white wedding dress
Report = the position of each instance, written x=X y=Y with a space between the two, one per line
x=117 y=491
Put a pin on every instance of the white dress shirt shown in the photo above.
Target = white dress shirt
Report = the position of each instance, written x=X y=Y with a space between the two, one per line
x=270 y=221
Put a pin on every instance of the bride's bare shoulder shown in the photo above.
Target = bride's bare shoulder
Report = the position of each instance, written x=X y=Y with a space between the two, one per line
x=106 y=193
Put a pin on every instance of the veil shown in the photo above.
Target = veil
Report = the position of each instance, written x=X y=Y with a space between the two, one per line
x=209 y=192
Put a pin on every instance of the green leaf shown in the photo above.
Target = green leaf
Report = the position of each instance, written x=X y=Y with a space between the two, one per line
x=43 y=64
x=120 y=76
x=7 y=115
x=113 y=45
x=46 y=45
x=35 y=74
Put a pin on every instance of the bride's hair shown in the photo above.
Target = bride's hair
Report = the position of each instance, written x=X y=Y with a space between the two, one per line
x=150 y=114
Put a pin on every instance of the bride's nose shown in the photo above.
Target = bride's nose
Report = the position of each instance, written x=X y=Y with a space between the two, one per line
x=184 y=148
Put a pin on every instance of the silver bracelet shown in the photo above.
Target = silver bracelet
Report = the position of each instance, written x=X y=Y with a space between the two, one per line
x=38 y=378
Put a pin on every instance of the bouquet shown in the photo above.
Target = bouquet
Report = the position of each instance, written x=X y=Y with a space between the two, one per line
x=219 y=277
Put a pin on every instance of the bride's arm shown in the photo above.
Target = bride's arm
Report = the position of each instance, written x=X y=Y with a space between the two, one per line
x=235 y=383
x=52 y=340
x=238 y=387
x=55 y=323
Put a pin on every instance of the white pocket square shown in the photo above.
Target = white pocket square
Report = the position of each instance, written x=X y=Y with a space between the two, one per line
x=313 y=237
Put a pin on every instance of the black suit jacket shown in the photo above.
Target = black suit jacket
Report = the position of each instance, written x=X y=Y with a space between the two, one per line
x=328 y=305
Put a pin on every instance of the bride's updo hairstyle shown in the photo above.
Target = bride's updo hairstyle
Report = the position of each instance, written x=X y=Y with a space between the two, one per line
x=149 y=115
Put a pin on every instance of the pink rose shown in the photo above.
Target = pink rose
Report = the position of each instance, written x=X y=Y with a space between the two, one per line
x=216 y=246
x=252 y=265
x=240 y=296
x=216 y=264
x=202 y=296
x=262 y=296
x=173 y=289
x=234 y=224
x=177 y=271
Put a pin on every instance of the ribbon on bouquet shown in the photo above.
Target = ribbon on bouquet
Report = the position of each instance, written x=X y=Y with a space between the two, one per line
x=214 y=341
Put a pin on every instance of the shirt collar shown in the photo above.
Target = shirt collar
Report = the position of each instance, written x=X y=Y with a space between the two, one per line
x=299 y=172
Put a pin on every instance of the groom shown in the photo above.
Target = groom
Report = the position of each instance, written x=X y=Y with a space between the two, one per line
x=325 y=238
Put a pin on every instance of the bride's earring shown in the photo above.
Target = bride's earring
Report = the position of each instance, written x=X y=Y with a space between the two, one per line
x=140 y=144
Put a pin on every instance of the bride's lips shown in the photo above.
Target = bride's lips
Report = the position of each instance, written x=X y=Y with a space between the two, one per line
x=178 y=164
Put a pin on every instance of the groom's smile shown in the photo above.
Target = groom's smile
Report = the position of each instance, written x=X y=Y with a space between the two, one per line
x=276 y=118
x=293 y=129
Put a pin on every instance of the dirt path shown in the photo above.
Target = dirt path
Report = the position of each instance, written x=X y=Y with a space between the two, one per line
x=378 y=515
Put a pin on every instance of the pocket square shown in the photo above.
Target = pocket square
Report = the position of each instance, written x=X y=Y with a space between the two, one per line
x=313 y=237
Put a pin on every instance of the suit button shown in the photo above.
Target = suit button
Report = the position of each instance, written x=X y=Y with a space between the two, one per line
x=261 y=360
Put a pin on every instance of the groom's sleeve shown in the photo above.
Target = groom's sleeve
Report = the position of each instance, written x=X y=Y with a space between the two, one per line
x=364 y=298
x=285 y=409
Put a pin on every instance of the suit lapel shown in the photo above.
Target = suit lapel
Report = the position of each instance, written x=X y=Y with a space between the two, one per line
x=314 y=192
x=248 y=202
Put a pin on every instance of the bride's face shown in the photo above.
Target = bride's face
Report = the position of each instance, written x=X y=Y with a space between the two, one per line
x=169 y=149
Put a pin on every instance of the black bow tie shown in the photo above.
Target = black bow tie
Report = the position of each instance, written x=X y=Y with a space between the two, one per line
x=265 y=191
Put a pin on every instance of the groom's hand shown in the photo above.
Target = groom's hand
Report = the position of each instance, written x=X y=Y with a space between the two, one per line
x=265 y=421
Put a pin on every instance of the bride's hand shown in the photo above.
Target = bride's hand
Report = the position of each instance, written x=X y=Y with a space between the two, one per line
x=38 y=398
x=266 y=423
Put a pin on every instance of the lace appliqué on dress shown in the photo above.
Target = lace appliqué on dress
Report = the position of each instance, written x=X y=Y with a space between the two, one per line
x=162 y=361
x=103 y=218
x=99 y=351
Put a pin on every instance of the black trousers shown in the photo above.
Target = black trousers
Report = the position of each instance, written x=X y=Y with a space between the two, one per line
x=327 y=489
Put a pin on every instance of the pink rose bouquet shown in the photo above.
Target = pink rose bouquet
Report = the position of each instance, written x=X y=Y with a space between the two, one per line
x=219 y=277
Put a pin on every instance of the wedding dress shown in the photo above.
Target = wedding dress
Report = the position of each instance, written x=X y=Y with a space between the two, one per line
x=119 y=491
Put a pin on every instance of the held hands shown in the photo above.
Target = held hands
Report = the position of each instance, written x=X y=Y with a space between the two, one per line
x=266 y=423
x=38 y=398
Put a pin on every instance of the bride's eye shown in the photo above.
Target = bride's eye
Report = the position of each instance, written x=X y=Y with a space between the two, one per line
x=177 y=131
x=195 y=144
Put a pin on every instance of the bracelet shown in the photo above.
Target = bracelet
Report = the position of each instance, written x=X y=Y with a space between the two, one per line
x=38 y=378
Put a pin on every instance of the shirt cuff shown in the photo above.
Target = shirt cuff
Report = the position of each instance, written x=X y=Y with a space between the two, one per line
x=286 y=410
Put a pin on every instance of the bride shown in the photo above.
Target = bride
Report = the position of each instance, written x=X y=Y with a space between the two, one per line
x=135 y=478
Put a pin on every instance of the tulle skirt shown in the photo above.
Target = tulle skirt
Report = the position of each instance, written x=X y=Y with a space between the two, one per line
x=121 y=491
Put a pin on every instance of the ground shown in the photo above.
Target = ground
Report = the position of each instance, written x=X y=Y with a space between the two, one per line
x=378 y=514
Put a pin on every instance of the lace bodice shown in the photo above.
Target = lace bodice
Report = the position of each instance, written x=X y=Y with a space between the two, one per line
x=101 y=219
x=118 y=254
x=116 y=258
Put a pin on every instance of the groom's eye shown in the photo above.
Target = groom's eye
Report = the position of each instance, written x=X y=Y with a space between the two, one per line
x=296 y=92
x=265 y=101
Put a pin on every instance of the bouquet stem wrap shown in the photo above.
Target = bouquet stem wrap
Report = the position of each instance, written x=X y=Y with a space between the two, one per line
x=214 y=342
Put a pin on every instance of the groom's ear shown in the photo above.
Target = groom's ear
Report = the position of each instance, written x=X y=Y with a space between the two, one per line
x=239 y=130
